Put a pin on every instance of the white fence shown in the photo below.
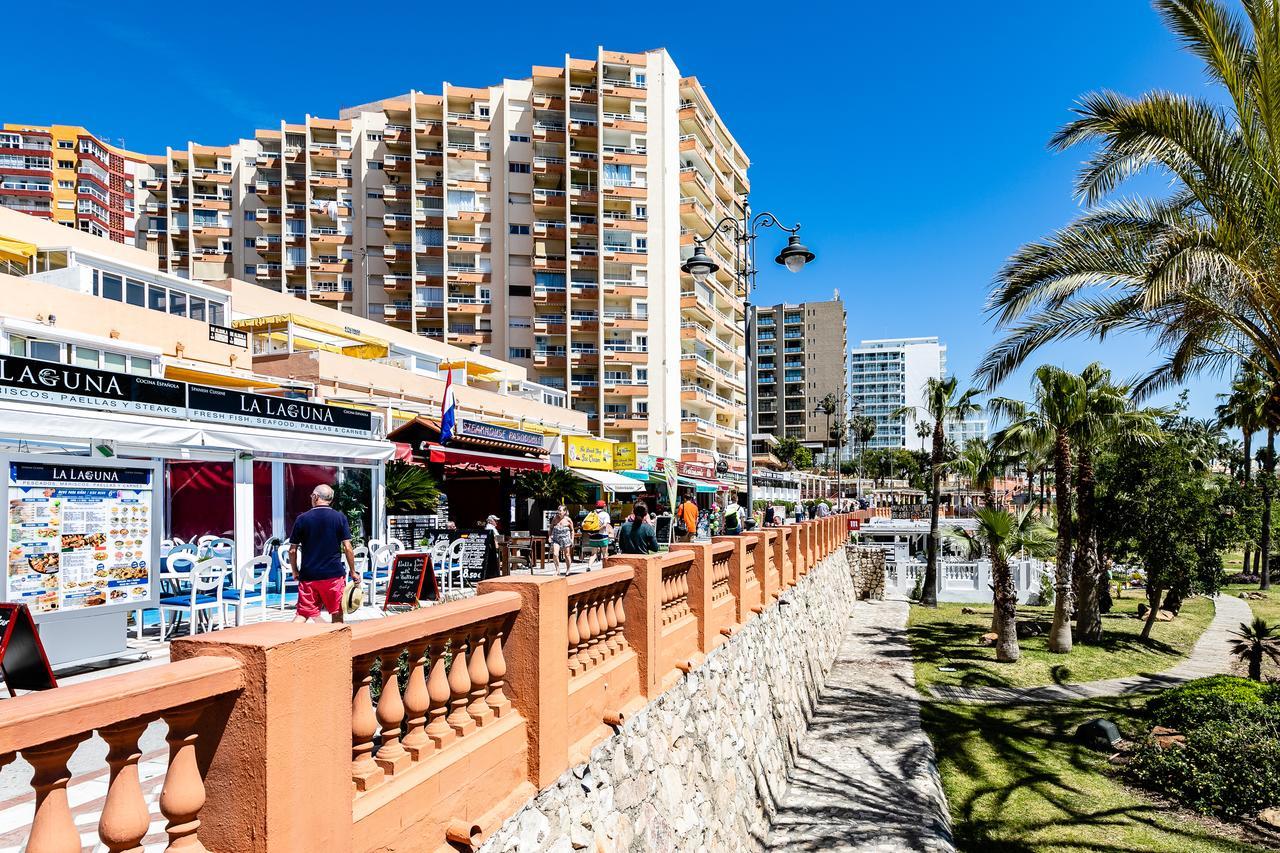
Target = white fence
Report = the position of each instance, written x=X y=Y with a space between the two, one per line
x=965 y=580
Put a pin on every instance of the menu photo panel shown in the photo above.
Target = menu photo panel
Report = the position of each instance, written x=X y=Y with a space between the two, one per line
x=79 y=536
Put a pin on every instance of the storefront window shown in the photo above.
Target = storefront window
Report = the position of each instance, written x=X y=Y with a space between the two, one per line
x=299 y=480
x=262 y=515
x=201 y=499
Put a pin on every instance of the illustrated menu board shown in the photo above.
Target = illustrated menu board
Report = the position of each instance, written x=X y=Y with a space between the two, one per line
x=80 y=536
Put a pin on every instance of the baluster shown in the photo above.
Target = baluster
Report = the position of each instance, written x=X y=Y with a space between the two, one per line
x=584 y=634
x=478 y=671
x=593 y=625
x=573 y=639
x=416 y=703
x=611 y=623
x=52 y=830
x=459 y=688
x=125 y=817
x=497 y=665
x=365 y=772
x=391 y=756
x=183 y=794
x=438 y=729
x=622 y=619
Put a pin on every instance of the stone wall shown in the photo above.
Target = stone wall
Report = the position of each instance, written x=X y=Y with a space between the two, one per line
x=703 y=766
x=866 y=564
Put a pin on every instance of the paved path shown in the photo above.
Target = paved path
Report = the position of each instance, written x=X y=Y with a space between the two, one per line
x=865 y=777
x=1211 y=655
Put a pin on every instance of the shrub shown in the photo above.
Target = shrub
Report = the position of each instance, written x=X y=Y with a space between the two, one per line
x=918 y=589
x=1219 y=698
x=1044 y=597
x=1230 y=768
x=1242 y=577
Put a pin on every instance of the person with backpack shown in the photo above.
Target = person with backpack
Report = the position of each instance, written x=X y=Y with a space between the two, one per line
x=732 y=517
x=597 y=526
x=687 y=519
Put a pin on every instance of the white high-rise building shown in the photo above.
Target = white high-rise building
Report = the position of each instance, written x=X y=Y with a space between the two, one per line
x=886 y=376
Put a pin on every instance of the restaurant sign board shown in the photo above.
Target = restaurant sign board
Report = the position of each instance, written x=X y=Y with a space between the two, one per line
x=624 y=456
x=582 y=451
x=32 y=381
x=221 y=405
x=227 y=335
x=29 y=380
x=480 y=429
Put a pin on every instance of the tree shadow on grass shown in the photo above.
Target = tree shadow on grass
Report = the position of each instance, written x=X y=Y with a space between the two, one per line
x=1058 y=805
x=954 y=644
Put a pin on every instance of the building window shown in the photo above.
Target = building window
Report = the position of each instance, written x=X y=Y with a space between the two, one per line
x=519 y=290
x=66 y=143
x=134 y=293
x=373 y=136
x=519 y=137
x=519 y=168
x=518 y=229
x=66 y=164
x=250 y=215
x=521 y=352
x=66 y=185
x=518 y=198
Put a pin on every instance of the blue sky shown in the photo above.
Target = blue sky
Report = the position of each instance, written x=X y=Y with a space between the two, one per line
x=908 y=138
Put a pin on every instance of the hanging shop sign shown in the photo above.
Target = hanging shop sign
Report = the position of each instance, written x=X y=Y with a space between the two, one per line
x=79 y=536
x=697 y=469
x=31 y=381
x=221 y=405
x=480 y=429
x=624 y=456
x=594 y=454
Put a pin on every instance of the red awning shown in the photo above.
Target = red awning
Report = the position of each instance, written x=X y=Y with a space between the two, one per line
x=475 y=460
x=404 y=452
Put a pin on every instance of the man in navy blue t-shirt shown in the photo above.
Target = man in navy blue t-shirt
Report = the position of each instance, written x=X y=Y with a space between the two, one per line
x=325 y=538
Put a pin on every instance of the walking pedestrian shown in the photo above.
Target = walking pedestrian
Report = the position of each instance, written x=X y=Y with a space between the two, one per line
x=561 y=536
x=687 y=519
x=324 y=538
x=637 y=535
x=732 y=516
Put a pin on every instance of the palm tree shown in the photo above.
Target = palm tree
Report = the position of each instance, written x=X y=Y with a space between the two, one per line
x=551 y=488
x=862 y=428
x=1107 y=416
x=1000 y=535
x=1059 y=401
x=942 y=402
x=1267 y=476
x=829 y=405
x=1255 y=641
x=982 y=462
x=924 y=429
x=1194 y=267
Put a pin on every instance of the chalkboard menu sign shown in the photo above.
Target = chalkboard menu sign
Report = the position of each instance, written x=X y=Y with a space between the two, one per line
x=23 y=662
x=479 y=557
x=412 y=578
x=662 y=529
x=412 y=529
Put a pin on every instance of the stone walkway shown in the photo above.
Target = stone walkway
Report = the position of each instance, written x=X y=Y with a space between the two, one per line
x=865 y=777
x=1211 y=655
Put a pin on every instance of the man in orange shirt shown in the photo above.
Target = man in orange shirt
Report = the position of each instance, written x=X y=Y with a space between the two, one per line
x=688 y=515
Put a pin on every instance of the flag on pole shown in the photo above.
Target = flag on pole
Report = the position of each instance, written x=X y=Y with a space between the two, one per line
x=448 y=413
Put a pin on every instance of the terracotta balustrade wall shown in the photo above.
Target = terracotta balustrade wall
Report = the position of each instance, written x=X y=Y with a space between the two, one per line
x=445 y=720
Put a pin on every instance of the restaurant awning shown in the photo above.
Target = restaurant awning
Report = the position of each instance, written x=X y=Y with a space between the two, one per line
x=477 y=460
x=701 y=486
x=608 y=480
x=645 y=476
x=16 y=250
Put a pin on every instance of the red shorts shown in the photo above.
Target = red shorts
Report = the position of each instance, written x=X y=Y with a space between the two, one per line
x=327 y=593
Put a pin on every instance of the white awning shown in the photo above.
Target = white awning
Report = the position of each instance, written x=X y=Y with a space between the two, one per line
x=610 y=481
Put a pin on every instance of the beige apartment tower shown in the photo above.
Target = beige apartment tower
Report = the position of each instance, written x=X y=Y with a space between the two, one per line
x=800 y=359
x=542 y=221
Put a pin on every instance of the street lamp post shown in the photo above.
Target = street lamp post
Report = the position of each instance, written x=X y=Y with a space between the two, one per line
x=700 y=265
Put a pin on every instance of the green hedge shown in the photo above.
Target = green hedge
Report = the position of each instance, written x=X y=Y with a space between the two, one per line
x=1230 y=763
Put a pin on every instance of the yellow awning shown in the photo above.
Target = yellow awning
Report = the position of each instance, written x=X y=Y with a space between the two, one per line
x=16 y=250
x=222 y=380
x=364 y=346
x=472 y=368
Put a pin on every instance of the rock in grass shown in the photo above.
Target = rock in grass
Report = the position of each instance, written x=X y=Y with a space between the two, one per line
x=988 y=639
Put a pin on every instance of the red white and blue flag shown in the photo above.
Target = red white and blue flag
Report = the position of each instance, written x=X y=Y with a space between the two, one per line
x=448 y=410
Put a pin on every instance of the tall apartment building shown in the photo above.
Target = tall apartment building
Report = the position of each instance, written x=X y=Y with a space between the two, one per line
x=72 y=177
x=542 y=221
x=886 y=375
x=800 y=359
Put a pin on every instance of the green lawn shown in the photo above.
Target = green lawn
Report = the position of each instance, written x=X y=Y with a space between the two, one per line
x=1269 y=609
x=946 y=637
x=1015 y=782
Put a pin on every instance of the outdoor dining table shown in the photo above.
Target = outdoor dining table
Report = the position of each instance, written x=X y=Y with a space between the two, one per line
x=536 y=548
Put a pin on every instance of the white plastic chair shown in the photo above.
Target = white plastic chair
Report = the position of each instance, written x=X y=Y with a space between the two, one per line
x=287 y=580
x=204 y=596
x=395 y=545
x=250 y=588
x=223 y=549
x=379 y=571
x=202 y=541
x=453 y=568
x=440 y=561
